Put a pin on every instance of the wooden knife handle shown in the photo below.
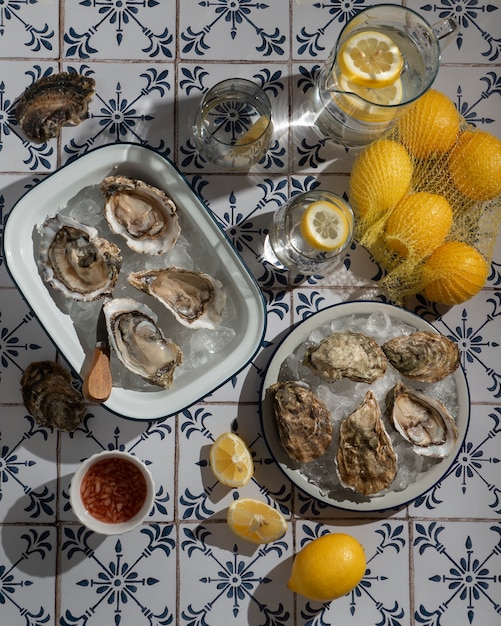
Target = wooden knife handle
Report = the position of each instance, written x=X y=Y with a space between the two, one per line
x=97 y=383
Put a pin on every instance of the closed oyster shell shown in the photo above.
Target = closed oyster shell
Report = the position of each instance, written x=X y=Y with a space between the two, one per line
x=75 y=261
x=422 y=421
x=53 y=102
x=140 y=213
x=424 y=355
x=347 y=355
x=303 y=421
x=49 y=396
x=366 y=461
x=139 y=343
x=195 y=299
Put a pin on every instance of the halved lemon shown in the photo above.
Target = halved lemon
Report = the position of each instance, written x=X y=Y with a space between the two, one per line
x=325 y=226
x=255 y=131
x=256 y=521
x=370 y=58
x=231 y=461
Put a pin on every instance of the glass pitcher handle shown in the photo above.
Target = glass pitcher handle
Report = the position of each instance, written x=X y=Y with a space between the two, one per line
x=446 y=30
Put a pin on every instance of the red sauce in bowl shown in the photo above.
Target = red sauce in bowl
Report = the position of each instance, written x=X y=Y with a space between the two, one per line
x=113 y=490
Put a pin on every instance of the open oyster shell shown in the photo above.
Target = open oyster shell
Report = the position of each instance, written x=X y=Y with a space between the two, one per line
x=347 y=355
x=53 y=102
x=49 y=396
x=423 y=355
x=195 y=299
x=139 y=343
x=75 y=261
x=140 y=213
x=366 y=460
x=422 y=421
x=303 y=421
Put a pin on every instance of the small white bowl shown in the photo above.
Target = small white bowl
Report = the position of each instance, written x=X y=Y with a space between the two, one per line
x=102 y=527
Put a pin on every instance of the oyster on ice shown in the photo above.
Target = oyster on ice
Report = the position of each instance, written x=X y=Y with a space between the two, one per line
x=303 y=421
x=347 y=355
x=366 y=460
x=49 y=396
x=142 y=214
x=53 y=102
x=423 y=421
x=76 y=261
x=196 y=299
x=423 y=355
x=139 y=343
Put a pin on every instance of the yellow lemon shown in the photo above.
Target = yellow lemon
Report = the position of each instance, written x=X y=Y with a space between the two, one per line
x=230 y=460
x=418 y=224
x=454 y=273
x=475 y=165
x=255 y=131
x=369 y=108
x=328 y=567
x=256 y=521
x=370 y=58
x=325 y=226
x=380 y=177
x=430 y=126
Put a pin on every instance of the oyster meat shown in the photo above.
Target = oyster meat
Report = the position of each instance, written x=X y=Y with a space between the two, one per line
x=53 y=102
x=347 y=355
x=75 y=261
x=49 y=396
x=143 y=215
x=196 y=299
x=423 y=421
x=303 y=420
x=424 y=355
x=139 y=343
x=366 y=460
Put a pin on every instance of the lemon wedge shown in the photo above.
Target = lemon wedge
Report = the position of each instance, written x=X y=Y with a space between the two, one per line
x=255 y=131
x=324 y=226
x=231 y=461
x=371 y=59
x=256 y=521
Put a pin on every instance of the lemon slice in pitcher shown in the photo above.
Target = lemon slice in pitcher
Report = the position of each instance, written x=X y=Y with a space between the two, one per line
x=371 y=59
x=324 y=226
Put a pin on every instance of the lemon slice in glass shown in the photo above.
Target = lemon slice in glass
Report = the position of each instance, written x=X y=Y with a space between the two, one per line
x=256 y=521
x=255 y=131
x=324 y=226
x=371 y=59
x=230 y=460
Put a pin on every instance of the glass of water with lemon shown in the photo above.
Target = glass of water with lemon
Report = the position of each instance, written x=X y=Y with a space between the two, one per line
x=386 y=57
x=311 y=232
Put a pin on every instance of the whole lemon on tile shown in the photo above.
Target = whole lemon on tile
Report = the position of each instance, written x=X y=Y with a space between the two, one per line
x=328 y=567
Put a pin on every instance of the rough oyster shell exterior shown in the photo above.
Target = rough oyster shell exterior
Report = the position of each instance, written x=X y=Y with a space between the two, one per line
x=195 y=299
x=49 y=396
x=303 y=421
x=366 y=460
x=423 y=421
x=53 y=102
x=424 y=355
x=347 y=355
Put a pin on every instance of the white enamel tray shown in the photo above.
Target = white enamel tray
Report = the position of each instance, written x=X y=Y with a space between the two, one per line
x=346 y=498
x=210 y=246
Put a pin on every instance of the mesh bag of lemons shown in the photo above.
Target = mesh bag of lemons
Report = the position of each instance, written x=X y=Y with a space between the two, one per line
x=427 y=201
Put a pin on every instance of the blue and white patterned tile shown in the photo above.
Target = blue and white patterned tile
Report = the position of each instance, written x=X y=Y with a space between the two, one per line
x=119 y=30
x=28 y=564
x=126 y=580
x=196 y=79
x=29 y=29
x=201 y=496
x=152 y=442
x=226 y=30
x=458 y=566
x=226 y=580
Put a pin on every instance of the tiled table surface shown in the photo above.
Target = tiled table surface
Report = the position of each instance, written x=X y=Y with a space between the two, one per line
x=435 y=562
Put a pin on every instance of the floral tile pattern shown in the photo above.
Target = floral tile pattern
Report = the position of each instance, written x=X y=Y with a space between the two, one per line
x=434 y=562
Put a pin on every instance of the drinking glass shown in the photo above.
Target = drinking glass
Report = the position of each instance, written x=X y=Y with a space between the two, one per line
x=233 y=126
x=286 y=246
x=354 y=116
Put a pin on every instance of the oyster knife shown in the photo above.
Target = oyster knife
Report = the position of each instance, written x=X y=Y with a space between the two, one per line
x=98 y=381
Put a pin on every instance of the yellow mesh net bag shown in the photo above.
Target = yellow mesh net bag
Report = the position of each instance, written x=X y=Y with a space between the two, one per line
x=427 y=202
